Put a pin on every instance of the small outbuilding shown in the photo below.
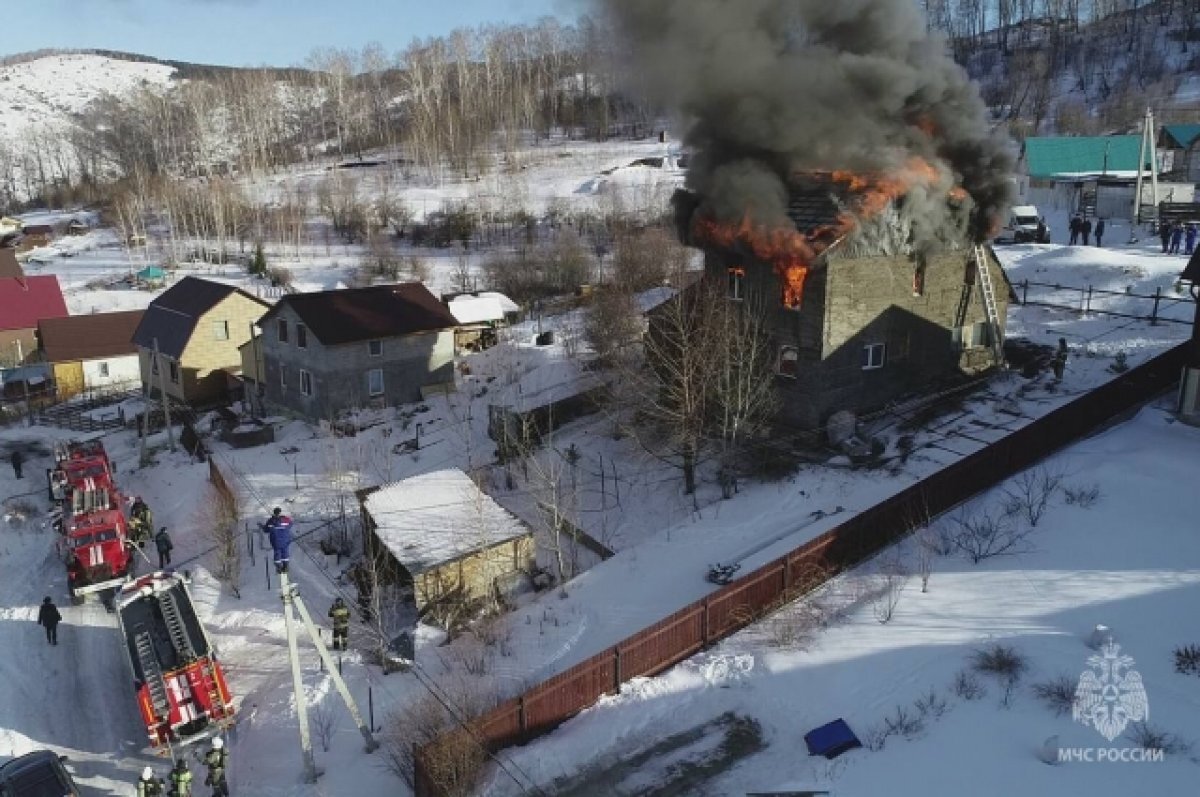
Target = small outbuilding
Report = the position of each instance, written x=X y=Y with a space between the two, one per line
x=443 y=535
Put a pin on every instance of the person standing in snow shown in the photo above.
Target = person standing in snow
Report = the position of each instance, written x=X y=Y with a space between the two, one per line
x=279 y=531
x=1176 y=237
x=148 y=785
x=1085 y=229
x=1043 y=236
x=181 y=779
x=1189 y=240
x=216 y=759
x=1099 y=231
x=162 y=542
x=18 y=459
x=1164 y=234
x=340 y=614
x=49 y=618
x=1059 y=364
x=1076 y=227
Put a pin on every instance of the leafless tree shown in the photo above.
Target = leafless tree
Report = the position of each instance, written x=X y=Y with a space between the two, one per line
x=219 y=516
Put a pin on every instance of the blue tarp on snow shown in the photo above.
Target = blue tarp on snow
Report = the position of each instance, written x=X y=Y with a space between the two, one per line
x=150 y=273
x=831 y=740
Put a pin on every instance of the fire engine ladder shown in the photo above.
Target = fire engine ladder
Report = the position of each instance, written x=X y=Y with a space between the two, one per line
x=211 y=687
x=175 y=628
x=988 y=289
x=152 y=673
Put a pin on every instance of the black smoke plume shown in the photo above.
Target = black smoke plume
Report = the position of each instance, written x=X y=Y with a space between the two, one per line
x=767 y=89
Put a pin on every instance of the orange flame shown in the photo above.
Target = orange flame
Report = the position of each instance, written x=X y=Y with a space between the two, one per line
x=792 y=252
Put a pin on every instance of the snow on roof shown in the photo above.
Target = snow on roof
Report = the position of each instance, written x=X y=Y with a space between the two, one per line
x=435 y=518
x=475 y=309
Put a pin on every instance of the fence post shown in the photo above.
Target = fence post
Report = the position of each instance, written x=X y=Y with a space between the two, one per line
x=1087 y=307
x=617 y=670
x=704 y=623
x=1025 y=291
x=1154 y=312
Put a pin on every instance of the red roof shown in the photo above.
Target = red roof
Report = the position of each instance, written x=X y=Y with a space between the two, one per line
x=24 y=302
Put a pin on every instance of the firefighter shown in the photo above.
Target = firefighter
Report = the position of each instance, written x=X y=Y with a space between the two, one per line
x=216 y=759
x=141 y=521
x=18 y=459
x=279 y=530
x=49 y=618
x=1059 y=363
x=162 y=542
x=149 y=785
x=340 y=614
x=181 y=780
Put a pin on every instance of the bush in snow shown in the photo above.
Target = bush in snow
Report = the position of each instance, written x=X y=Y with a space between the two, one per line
x=931 y=704
x=1006 y=664
x=886 y=588
x=454 y=758
x=983 y=534
x=1187 y=660
x=1029 y=493
x=1083 y=496
x=1151 y=737
x=968 y=687
x=1058 y=694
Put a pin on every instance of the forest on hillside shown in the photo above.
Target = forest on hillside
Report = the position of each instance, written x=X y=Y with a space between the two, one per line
x=451 y=106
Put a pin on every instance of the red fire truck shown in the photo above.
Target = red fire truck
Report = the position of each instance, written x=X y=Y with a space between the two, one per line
x=181 y=689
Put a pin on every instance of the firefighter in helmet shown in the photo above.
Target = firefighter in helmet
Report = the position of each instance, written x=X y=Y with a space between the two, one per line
x=216 y=759
x=181 y=779
x=340 y=614
x=149 y=785
x=141 y=521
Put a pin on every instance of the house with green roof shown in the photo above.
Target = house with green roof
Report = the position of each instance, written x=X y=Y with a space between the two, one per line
x=1048 y=159
x=1180 y=148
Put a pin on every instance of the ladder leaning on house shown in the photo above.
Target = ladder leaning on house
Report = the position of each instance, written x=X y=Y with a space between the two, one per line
x=987 y=289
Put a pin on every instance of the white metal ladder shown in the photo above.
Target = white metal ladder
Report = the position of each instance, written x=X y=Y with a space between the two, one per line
x=987 y=289
x=152 y=673
x=175 y=627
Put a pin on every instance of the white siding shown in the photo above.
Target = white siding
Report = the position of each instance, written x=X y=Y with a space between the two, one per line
x=121 y=370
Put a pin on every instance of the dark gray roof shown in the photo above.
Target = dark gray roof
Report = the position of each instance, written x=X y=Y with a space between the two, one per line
x=1192 y=272
x=355 y=314
x=171 y=318
x=812 y=203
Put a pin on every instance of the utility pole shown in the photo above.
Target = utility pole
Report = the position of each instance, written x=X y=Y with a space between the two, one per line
x=166 y=400
x=290 y=594
x=1148 y=143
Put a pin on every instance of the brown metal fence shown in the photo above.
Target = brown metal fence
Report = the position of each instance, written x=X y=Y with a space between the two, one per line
x=731 y=608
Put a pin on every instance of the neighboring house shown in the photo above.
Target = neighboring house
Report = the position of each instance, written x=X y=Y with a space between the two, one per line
x=9 y=265
x=24 y=301
x=86 y=352
x=479 y=316
x=34 y=236
x=870 y=320
x=196 y=327
x=323 y=352
x=77 y=227
x=443 y=535
x=1094 y=175
x=1180 y=147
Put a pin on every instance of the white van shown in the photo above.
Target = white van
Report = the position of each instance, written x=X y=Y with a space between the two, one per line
x=1022 y=227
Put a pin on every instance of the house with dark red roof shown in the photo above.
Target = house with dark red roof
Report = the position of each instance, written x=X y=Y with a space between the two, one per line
x=24 y=301
x=188 y=340
x=322 y=352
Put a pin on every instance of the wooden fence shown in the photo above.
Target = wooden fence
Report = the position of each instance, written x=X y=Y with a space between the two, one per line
x=731 y=608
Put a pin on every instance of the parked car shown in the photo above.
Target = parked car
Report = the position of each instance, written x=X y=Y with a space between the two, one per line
x=38 y=774
x=1023 y=227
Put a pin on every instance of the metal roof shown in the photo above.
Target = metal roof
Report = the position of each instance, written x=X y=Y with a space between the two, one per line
x=86 y=337
x=1046 y=157
x=357 y=314
x=1182 y=135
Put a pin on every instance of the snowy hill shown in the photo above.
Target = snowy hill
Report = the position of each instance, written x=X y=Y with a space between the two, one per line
x=40 y=95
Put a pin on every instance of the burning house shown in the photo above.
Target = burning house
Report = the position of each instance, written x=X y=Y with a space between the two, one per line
x=857 y=315
x=843 y=181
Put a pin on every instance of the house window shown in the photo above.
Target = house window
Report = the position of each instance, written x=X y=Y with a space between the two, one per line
x=301 y=336
x=103 y=369
x=736 y=284
x=873 y=356
x=375 y=382
x=789 y=357
x=375 y=349
x=305 y=383
x=283 y=330
x=282 y=379
x=174 y=371
x=154 y=365
x=972 y=335
x=220 y=330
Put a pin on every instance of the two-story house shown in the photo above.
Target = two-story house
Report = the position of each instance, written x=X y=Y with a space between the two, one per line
x=189 y=337
x=326 y=351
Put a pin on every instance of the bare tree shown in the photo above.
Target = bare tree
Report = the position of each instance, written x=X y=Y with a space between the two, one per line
x=219 y=517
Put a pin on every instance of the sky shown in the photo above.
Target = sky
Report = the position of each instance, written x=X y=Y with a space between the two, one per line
x=253 y=32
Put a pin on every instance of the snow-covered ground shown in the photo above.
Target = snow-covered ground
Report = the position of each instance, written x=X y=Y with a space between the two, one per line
x=664 y=542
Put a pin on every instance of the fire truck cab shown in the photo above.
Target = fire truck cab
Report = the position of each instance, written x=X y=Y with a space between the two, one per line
x=94 y=546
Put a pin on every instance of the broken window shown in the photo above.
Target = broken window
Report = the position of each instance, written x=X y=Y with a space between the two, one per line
x=789 y=357
x=305 y=383
x=301 y=336
x=283 y=330
x=737 y=284
x=971 y=336
x=873 y=356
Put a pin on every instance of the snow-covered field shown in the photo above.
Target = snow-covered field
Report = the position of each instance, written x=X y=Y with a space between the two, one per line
x=664 y=542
